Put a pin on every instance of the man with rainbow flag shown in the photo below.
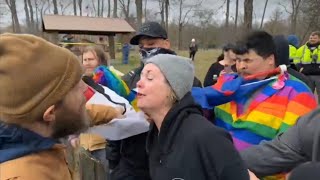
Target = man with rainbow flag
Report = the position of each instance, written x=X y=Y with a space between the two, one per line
x=256 y=109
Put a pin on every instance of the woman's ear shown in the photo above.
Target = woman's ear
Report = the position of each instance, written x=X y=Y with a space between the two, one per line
x=49 y=114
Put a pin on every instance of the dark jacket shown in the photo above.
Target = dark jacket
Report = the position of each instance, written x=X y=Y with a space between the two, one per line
x=301 y=143
x=128 y=157
x=189 y=147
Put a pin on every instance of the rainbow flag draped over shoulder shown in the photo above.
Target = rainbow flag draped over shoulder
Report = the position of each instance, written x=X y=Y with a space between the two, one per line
x=106 y=77
x=228 y=87
x=250 y=115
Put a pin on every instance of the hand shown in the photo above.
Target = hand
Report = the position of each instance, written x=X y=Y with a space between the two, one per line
x=101 y=114
x=252 y=175
x=120 y=111
x=222 y=72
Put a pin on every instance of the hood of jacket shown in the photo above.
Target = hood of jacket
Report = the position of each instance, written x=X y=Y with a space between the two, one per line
x=172 y=122
x=17 y=142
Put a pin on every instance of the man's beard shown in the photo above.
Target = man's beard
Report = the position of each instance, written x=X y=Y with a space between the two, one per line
x=69 y=122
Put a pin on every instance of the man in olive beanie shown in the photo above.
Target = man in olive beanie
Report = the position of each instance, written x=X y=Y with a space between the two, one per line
x=41 y=99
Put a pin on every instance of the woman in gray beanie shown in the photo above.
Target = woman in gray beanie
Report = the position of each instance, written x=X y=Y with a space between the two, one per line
x=181 y=143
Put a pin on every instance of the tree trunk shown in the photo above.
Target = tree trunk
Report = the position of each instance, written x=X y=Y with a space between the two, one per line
x=180 y=37
x=55 y=7
x=31 y=16
x=109 y=8
x=98 y=8
x=145 y=10
x=112 y=50
x=115 y=8
x=94 y=8
x=294 y=16
x=248 y=9
x=128 y=11
x=80 y=7
x=139 y=12
x=37 y=17
x=264 y=12
x=27 y=15
x=227 y=14
x=102 y=8
x=180 y=25
x=75 y=7
x=15 y=21
x=237 y=12
x=167 y=14
x=162 y=12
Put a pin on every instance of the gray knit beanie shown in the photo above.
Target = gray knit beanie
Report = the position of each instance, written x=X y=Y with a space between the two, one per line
x=179 y=71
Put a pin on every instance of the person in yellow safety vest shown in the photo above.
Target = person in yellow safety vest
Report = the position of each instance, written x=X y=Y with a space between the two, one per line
x=293 y=45
x=309 y=57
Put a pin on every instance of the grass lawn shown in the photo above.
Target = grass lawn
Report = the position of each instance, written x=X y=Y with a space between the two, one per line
x=203 y=60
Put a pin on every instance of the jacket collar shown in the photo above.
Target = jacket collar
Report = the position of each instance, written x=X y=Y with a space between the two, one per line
x=17 y=142
x=172 y=123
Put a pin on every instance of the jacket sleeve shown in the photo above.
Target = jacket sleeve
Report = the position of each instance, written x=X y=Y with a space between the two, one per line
x=208 y=80
x=283 y=153
x=220 y=157
x=100 y=114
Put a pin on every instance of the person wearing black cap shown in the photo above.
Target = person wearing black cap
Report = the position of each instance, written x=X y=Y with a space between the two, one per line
x=152 y=40
x=132 y=162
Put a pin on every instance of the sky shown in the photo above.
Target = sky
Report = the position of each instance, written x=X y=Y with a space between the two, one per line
x=214 y=5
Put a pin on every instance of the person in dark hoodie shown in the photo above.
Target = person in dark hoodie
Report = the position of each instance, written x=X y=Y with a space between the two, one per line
x=130 y=162
x=177 y=143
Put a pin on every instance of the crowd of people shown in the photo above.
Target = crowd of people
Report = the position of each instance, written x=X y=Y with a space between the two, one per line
x=153 y=122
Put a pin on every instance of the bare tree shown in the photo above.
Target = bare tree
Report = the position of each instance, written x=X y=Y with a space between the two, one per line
x=94 y=7
x=115 y=8
x=236 y=16
x=64 y=7
x=111 y=41
x=161 y=6
x=227 y=14
x=276 y=25
x=145 y=10
x=27 y=14
x=125 y=8
x=294 y=12
x=184 y=11
x=99 y=7
x=264 y=12
x=15 y=21
x=166 y=7
x=139 y=12
x=55 y=7
x=248 y=9
x=75 y=7
x=109 y=8
x=80 y=7
x=102 y=8
x=310 y=20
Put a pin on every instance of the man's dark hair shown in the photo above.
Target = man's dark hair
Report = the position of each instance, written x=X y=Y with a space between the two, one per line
x=259 y=41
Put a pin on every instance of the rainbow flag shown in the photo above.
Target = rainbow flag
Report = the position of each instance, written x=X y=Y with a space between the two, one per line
x=106 y=77
x=252 y=117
